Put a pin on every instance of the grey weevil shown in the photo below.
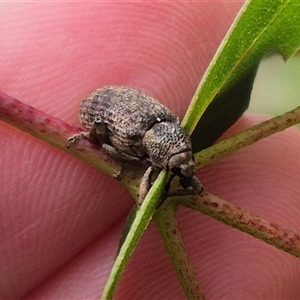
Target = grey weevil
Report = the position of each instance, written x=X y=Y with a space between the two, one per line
x=132 y=126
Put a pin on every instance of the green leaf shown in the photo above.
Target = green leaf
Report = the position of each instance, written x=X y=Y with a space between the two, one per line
x=225 y=109
x=128 y=223
x=262 y=27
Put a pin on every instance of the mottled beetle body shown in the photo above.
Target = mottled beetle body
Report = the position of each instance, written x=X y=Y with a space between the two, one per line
x=125 y=116
x=131 y=125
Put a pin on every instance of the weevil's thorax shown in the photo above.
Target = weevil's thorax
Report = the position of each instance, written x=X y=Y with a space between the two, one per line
x=169 y=147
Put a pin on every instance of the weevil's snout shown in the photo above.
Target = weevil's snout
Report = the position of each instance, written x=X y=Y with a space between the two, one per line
x=182 y=164
x=186 y=182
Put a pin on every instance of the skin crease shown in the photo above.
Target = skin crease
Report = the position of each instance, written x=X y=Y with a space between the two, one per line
x=61 y=219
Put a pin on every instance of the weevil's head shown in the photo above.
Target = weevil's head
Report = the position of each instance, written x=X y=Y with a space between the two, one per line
x=169 y=147
x=182 y=165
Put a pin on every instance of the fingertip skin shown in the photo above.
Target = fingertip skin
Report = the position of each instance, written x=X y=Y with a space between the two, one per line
x=55 y=206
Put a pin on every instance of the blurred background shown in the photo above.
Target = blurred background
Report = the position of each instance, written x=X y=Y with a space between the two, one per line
x=276 y=87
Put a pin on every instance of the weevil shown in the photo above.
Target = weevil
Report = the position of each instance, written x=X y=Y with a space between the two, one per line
x=132 y=126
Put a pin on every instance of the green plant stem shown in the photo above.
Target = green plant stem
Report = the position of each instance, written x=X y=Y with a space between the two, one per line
x=247 y=137
x=243 y=220
x=168 y=227
x=139 y=225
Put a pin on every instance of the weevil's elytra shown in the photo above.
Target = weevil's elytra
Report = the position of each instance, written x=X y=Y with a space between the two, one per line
x=134 y=126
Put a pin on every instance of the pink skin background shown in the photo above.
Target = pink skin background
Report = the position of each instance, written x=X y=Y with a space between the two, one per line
x=61 y=219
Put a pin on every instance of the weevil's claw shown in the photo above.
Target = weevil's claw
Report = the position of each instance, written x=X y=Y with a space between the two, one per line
x=145 y=184
x=71 y=140
x=76 y=137
x=193 y=182
x=118 y=174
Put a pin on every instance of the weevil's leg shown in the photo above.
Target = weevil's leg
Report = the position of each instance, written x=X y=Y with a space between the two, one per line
x=97 y=132
x=119 y=156
x=145 y=184
x=76 y=137
x=118 y=173
x=197 y=188
x=196 y=185
x=168 y=185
